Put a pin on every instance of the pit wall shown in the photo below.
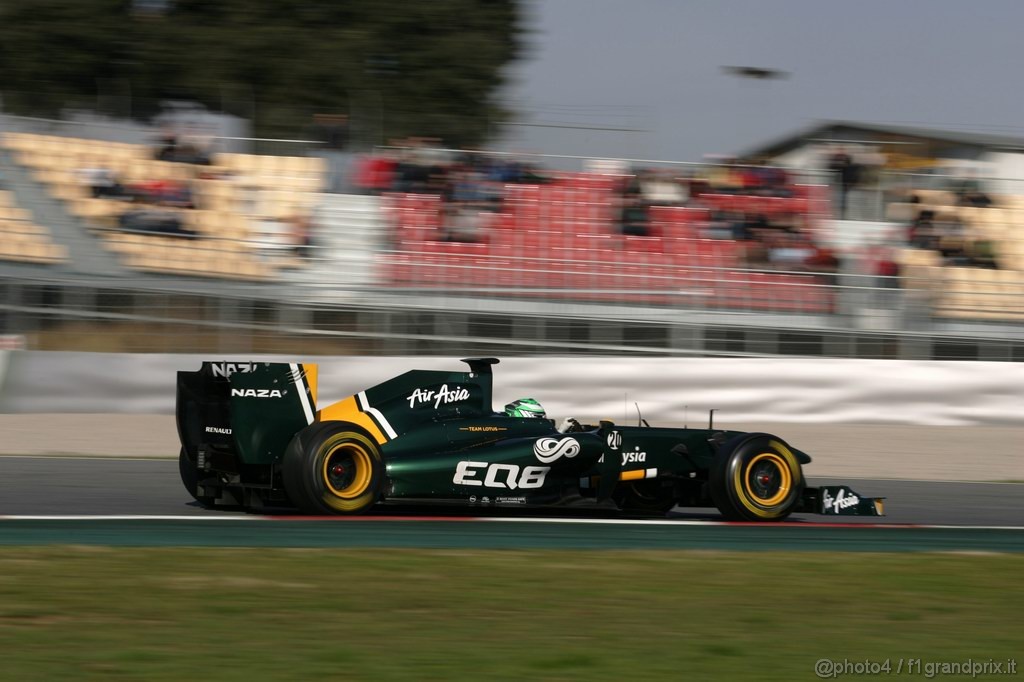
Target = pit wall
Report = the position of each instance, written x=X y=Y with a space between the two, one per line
x=667 y=390
x=857 y=418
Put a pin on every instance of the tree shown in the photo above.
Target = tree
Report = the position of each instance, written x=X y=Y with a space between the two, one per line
x=425 y=68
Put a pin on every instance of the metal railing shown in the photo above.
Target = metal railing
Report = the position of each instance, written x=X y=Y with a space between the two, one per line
x=135 y=316
x=137 y=133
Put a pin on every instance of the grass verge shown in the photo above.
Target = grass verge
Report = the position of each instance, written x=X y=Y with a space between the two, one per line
x=95 y=613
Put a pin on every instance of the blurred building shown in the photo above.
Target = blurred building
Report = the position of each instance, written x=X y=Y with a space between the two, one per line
x=998 y=158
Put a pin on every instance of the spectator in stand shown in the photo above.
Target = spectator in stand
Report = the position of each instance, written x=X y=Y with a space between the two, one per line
x=467 y=185
x=696 y=187
x=982 y=254
x=885 y=268
x=166 y=144
x=724 y=175
x=438 y=182
x=376 y=173
x=823 y=261
x=101 y=181
x=501 y=171
x=755 y=253
x=969 y=193
x=789 y=251
x=153 y=220
x=421 y=166
x=301 y=235
x=488 y=189
x=171 y=193
x=871 y=163
x=660 y=188
x=753 y=226
x=331 y=129
x=752 y=178
x=726 y=225
x=524 y=173
x=950 y=239
x=775 y=182
x=462 y=222
x=174 y=194
x=633 y=217
x=846 y=175
x=194 y=149
x=923 y=234
x=412 y=174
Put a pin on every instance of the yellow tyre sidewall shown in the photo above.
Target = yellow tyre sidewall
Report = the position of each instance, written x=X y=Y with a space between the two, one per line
x=779 y=504
x=361 y=493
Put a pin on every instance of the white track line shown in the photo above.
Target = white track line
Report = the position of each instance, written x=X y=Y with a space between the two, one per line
x=909 y=480
x=831 y=522
x=941 y=527
x=97 y=458
x=126 y=517
x=610 y=522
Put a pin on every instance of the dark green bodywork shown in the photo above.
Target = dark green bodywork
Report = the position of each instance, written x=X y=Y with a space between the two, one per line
x=440 y=441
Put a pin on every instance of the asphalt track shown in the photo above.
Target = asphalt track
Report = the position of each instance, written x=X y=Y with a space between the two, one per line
x=59 y=494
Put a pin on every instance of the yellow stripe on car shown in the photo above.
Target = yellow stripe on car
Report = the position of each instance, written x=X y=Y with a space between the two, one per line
x=347 y=410
x=637 y=474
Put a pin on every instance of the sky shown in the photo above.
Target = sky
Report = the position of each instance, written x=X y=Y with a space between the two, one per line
x=655 y=66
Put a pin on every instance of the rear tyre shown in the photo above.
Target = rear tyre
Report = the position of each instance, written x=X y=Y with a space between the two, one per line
x=756 y=477
x=333 y=468
x=190 y=479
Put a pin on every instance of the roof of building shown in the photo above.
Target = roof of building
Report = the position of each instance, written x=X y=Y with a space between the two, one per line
x=826 y=130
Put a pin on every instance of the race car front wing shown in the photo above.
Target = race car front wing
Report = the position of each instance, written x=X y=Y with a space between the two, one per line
x=840 y=500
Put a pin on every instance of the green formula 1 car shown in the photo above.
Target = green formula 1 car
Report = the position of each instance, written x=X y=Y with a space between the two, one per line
x=253 y=435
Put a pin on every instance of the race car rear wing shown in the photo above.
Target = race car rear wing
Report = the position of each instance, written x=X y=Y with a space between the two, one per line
x=250 y=409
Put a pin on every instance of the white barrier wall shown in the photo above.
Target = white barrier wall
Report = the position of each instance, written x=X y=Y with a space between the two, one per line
x=668 y=390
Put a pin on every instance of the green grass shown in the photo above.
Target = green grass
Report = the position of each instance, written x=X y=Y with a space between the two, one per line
x=294 y=614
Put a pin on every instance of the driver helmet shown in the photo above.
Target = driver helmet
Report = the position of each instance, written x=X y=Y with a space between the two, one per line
x=525 y=407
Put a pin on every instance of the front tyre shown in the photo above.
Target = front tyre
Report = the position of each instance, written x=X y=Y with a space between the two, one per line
x=333 y=468
x=756 y=477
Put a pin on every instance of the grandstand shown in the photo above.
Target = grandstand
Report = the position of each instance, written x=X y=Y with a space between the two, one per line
x=548 y=262
x=236 y=206
x=562 y=240
x=993 y=291
x=23 y=240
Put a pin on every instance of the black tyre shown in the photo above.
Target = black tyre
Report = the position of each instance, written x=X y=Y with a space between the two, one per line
x=333 y=468
x=190 y=479
x=646 y=497
x=756 y=477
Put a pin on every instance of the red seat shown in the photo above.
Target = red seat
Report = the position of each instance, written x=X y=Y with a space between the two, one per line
x=646 y=244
